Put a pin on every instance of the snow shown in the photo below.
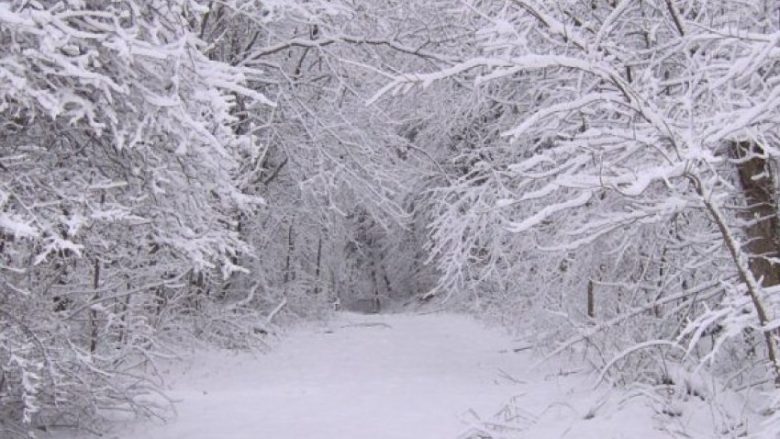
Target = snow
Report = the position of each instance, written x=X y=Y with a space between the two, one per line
x=391 y=377
x=14 y=225
x=564 y=107
x=382 y=377
x=502 y=67
x=547 y=211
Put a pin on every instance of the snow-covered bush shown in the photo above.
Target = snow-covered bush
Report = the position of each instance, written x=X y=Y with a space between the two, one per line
x=118 y=187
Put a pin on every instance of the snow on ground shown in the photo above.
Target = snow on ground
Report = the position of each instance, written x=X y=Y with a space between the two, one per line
x=392 y=377
x=372 y=377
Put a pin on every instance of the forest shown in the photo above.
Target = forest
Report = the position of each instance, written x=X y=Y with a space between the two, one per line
x=598 y=176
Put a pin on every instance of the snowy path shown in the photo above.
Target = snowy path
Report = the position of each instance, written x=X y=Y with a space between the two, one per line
x=359 y=377
x=402 y=377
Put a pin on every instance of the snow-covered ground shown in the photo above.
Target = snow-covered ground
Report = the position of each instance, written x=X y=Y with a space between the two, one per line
x=395 y=377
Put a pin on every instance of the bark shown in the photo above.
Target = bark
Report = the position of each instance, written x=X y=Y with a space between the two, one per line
x=762 y=226
x=319 y=265
x=388 y=284
x=591 y=300
x=744 y=270
x=92 y=313
x=289 y=274
x=93 y=323
x=758 y=185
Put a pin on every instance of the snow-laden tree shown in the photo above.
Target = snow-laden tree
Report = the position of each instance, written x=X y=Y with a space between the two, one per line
x=139 y=145
x=119 y=179
x=331 y=169
x=642 y=129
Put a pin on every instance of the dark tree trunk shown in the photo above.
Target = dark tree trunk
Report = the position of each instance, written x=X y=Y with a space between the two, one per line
x=591 y=300
x=758 y=185
x=93 y=324
x=761 y=217
x=125 y=309
x=318 y=269
x=289 y=274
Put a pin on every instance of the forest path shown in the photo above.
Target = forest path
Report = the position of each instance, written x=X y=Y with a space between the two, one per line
x=400 y=376
x=356 y=377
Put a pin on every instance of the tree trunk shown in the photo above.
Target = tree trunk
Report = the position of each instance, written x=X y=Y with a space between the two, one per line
x=758 y=185
x=762 y=226
x=289 y=274
x=591 y=301
x=748 y=265
x=318 y=269
x=388 y=284
x=124 y=332
x=93 y=324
